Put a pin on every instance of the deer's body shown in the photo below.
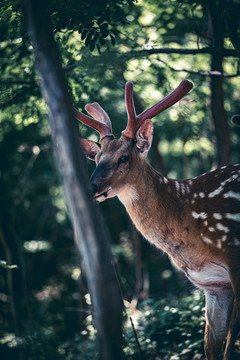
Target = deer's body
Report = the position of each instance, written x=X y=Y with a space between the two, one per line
x=192 y=225
x=196 y=221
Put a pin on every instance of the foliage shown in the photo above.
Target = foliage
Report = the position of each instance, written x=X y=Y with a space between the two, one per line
x=167 y=327
x=4 y=265
x=33 y=213
x=94 y=20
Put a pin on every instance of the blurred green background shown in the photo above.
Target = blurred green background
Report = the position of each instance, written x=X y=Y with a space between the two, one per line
x=45 y=310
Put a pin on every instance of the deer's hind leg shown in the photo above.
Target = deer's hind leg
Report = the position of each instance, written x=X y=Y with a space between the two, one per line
x=219 y=305
x=234 y=272
x=234 y=328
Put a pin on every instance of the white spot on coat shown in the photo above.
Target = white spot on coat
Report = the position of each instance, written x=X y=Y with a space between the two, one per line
x=234 y=217
x=206 y=240
x=221 y=227
x=216 y=192
x=224 y=237
x=177 y=186
x=182 y=189
x=219 y=244
x=236 y=242
x=201 y=215
x=232 y=194
x=217 y=216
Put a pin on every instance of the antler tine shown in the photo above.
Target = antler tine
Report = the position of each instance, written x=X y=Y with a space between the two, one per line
x=129 y=101
x=98 y=113
x=130 y=129
x=182 y=89
x=102 y=124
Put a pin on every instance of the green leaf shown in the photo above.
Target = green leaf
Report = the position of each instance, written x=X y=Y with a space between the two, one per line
x=92 y=45
x=113 y=41
x=84 y=34
x=88 y=39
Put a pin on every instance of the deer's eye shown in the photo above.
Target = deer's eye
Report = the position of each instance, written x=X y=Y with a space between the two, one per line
x=123 y=159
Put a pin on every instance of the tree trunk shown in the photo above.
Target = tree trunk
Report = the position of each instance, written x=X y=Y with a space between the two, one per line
x=221 y=127
x=90 y=235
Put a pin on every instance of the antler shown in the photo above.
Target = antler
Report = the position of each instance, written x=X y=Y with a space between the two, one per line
x=134 y=122
x=100 y=122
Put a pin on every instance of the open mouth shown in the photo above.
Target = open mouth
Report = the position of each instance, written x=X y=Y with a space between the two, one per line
x=101 y=197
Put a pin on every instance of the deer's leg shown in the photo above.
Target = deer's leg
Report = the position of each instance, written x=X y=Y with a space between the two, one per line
x=218 y=312
x=234 y=270
x=232 y=334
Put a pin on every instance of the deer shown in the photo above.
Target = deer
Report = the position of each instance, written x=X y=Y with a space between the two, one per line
x=195 y=221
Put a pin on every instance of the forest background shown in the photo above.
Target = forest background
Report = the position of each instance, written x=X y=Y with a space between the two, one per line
x=45 y=306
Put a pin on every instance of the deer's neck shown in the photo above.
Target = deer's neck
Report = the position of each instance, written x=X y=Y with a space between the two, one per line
x=159 y=209
x=147 y=199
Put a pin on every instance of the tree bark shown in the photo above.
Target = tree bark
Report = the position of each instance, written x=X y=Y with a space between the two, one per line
x=221 y=127
x=90 y=235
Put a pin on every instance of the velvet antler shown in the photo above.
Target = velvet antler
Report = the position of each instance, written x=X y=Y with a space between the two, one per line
x=134 y=122
x=100 y=122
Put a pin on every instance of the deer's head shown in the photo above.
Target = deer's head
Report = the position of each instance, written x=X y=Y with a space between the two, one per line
x=118 y=160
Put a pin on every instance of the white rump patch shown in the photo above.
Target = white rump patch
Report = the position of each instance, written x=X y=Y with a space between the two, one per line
x=201 y=194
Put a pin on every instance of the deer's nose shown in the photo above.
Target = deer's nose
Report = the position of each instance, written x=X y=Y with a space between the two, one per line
x=93 y=189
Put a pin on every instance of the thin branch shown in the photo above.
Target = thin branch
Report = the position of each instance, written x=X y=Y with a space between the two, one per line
x=207 y=50
x=17 y=96
x=144 y=53
x=136 y=339
x=201 y=73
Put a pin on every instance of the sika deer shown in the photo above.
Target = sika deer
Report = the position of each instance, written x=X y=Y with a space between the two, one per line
x=196 y=221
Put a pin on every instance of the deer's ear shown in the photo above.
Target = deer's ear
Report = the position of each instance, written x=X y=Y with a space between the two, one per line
x=144 y=137
x=89 y=148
